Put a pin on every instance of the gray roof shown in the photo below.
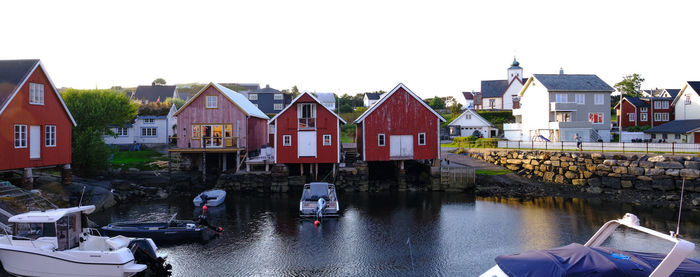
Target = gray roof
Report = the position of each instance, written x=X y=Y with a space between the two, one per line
x=493 y=88
x=245 y=86
x=695 y=85
x=673 y=92
x=266 y=89
x=637 y=102
x=676 y=127
x=573 y=82
x=154 y=93
x=242 y=102
x=373 y=96
x=325 y=97
x=12 y=73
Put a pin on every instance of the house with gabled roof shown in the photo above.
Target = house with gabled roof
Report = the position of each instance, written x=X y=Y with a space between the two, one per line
x=687 y=103
x=370 y=98
x=307 y=133
x=269 y=100
x=154 y=93
x=469 y=122
x=221 y=124
x=503 y=94
x=35 y=123
x=400 y=126
x=558 y=107
x=327 y=99
x=644 y=111
x=678 y=131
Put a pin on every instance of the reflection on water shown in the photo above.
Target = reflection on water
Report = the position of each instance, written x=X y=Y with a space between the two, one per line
x=451 y=233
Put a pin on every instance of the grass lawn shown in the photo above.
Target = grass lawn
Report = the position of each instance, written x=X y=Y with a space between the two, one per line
x=137 y=159
x=492 y=172
x=455 y=145
x=346 y=139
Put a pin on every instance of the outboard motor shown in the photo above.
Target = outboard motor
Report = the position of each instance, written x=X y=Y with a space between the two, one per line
x=144 y=253
x=321 y=207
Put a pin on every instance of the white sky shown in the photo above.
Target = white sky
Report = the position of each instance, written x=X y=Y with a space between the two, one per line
x=434 y=47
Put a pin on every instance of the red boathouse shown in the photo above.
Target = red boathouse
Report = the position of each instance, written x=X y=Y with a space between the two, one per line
x=400 y=126
x=35 y=122
x=306 y=132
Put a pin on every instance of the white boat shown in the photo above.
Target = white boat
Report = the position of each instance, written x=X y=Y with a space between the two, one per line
x=212 y=198
x=58 y=243
x=592 y=259
x=319 y=200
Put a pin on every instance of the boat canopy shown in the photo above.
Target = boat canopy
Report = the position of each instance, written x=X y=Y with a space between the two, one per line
x=578 y=260
x=49 y=216
x=318 y=190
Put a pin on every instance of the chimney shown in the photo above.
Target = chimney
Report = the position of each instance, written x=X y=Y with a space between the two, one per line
x=267 y=86
x=561 y=71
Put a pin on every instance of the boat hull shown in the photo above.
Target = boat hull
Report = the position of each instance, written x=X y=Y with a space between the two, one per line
x=34 y=262
x=166 y=235
x=217 y=198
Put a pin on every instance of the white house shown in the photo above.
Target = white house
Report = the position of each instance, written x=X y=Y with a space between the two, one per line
x=327 y=99
x=501 y=94
x=468 y=122
x=687 y=103
x=146 y=129
x=371 y=98
x=557 y=107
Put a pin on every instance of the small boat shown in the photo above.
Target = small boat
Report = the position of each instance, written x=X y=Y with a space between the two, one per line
x=319 y=200
x=58 y=242
x=210 y=198
x=170 y=231
x=592 y=259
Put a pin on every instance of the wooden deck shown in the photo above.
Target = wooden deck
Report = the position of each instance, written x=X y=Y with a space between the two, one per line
x=207 y=150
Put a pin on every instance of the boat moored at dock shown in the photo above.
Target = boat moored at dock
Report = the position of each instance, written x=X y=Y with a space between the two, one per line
x=319 y=200
x=212 y=198
x=172 y=230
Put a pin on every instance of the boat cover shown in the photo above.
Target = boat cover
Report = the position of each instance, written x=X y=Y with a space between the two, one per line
x=578 y=260
x=318 y=190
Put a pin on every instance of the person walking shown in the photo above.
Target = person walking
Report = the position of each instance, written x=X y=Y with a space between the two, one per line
x=579 y=143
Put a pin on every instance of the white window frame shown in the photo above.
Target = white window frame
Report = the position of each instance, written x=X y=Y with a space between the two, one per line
x=327 y=137
x=661 y=117
x=561 y=98
x=253 y=96
x=212 y=101
x=643 y=117
x=580 y=99
x=122 y=132
x=599 y=99
x=278 y=96
x=687 y=99
x=20 y=138
x=468 y=116
x=278 y=106
x=631 y=117
x=381 y=140
x=153 y=132
x=287 y=140
x=643 y=109
x=50 y=135
x=421 y=136
x=602 y=118
x=36 y=94
x=149 y=121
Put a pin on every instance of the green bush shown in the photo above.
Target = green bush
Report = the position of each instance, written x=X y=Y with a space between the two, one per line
x=637 y=128
x=486 y=143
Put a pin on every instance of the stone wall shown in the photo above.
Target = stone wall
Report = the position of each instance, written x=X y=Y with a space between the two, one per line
x=598 y=171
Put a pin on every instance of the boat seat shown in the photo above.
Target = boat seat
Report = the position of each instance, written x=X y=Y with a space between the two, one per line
x=117 y=242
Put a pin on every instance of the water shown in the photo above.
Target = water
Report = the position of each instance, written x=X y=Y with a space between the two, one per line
x=450 y=233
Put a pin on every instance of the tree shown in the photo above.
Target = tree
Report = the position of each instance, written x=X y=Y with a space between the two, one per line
x=295 y=91
x=155 y=109
x=456 y=108
x=177 y=101
x=345 y=108
x=630 y=85
x=159 y=81
x=95 y=111
x=436 y=103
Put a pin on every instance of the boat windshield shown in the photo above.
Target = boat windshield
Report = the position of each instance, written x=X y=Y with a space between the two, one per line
x=34 y=230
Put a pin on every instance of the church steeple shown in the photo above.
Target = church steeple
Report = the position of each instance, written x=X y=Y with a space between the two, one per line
x=515 y=71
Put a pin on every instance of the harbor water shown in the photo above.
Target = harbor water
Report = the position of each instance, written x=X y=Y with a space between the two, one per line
x=392 y=234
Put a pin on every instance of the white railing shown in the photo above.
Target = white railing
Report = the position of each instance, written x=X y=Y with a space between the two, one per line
x=645 y=147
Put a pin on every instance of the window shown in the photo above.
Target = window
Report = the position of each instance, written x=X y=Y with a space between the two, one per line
x=561 y=98
x=599 y=99
x=50 y=135
x=20 y=136
x=252 y=96
x=643 y=116
x=660 y=116
x=665 y=136
x=195 y=132
x=228 y=130
x=660 y=104
x=307 y=115
x=149 y=120
x=653 y=136
x=580 y=99
x=326 y=139
x=643 y=109
x=380 y=140
x=678 y=136
x=278 y=96
x=149 y=132
x=287 y=140
x=468 y=116
x=421 y=138
x=278 y=107
x=631 y=117
x=122 y=132
x=492 y=103
x=36 y=94
x=595 y=118
x=212 y=101
x=687 y=99
x=564 y=117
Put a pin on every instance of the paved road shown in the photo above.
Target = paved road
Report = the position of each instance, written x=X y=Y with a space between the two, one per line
x=468 y=161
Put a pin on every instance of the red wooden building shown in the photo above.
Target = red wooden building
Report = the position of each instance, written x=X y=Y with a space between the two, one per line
x=644 y=111
x=306 y=132
x=400 y=126
x=35 y=122
x=221 y=123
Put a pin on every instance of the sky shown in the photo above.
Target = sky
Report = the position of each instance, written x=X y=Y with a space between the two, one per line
x=436 y=48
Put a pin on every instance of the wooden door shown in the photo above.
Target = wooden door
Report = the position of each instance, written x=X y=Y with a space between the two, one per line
x=306 y=142
x=34 y=142
x=401 y=146
x=696 y=138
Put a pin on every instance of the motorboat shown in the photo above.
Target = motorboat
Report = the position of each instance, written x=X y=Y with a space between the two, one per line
x=318 y=200
x=591 y=259
x=172 y=230
x=210 y=198
x=58 y=242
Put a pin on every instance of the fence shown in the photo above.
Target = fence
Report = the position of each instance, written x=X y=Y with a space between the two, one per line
x=623 y=147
